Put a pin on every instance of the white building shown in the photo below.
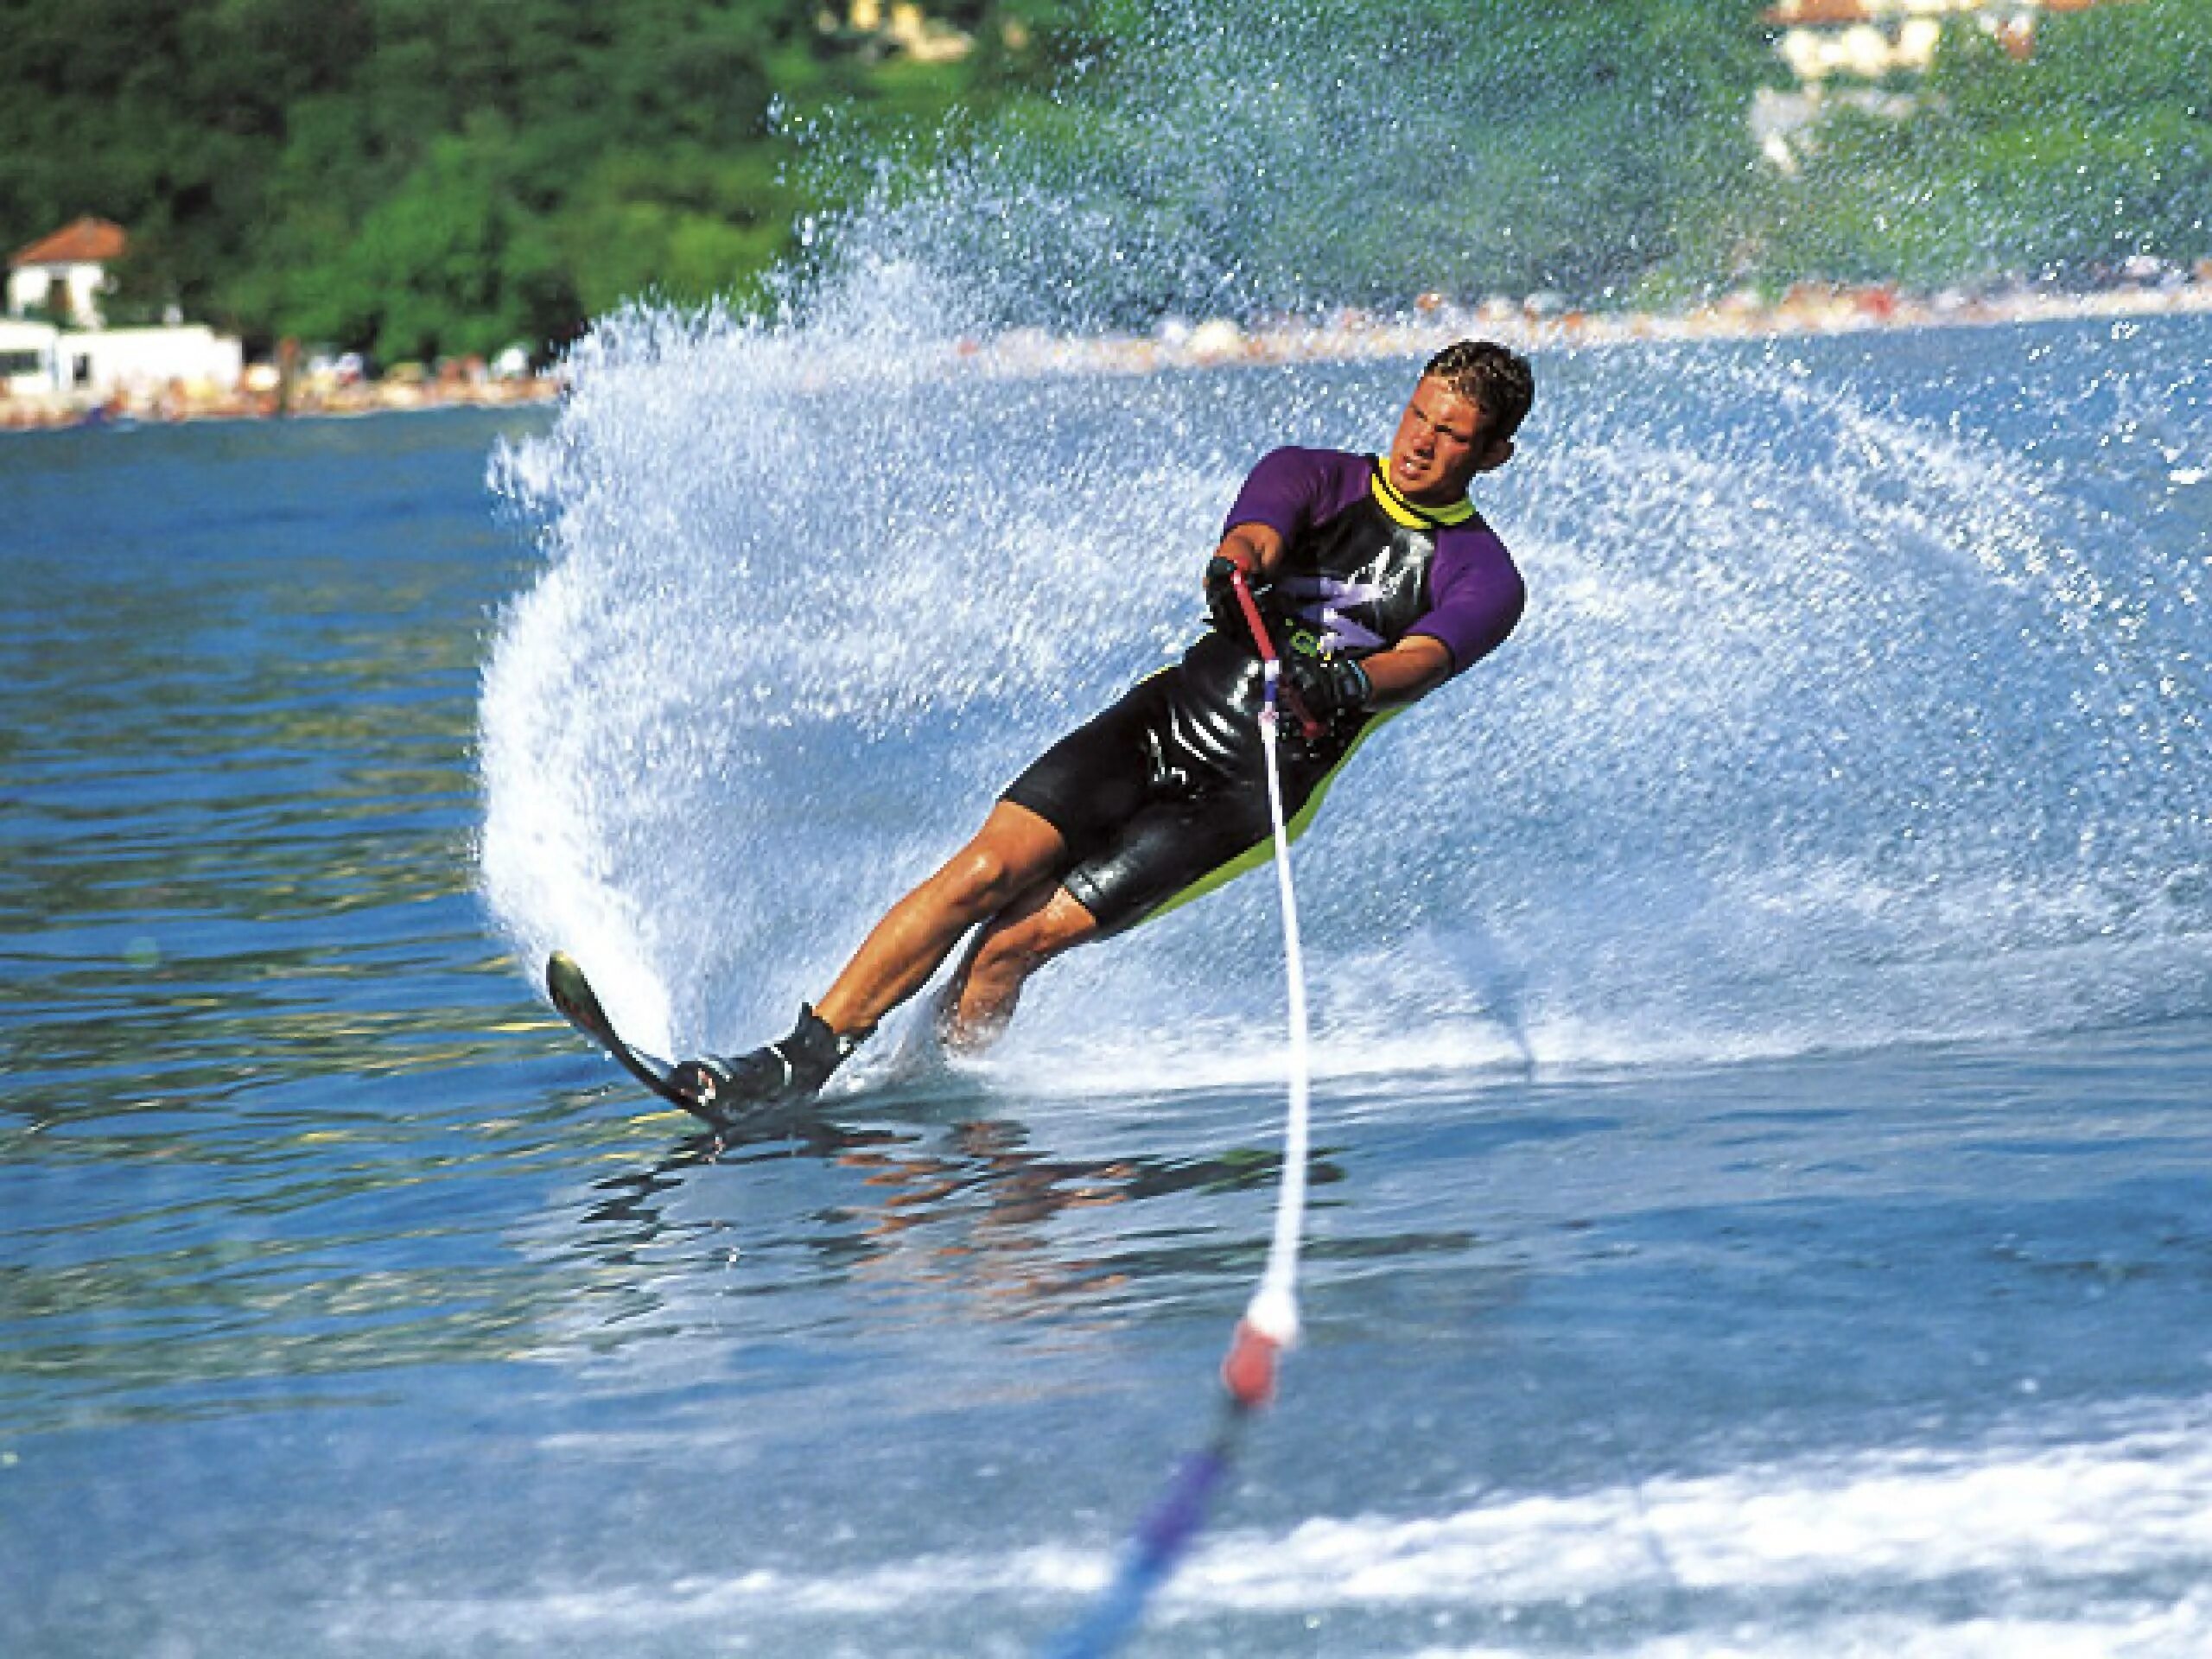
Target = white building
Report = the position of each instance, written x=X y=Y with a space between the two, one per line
x=1868 y=55
x=142 y=362
x=30 y=358
x=87 y=362
x=1878 y=40
x=66 y=271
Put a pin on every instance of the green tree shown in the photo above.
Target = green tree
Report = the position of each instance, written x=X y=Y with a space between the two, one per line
x=419 y=177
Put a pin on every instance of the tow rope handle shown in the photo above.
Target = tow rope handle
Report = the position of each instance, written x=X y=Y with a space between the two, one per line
x=1270 y=665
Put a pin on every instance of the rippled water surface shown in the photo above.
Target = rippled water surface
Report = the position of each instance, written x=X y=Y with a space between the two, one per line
x=1760 y=1196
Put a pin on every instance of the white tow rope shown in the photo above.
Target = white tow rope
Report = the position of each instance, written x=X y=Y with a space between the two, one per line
x=1273 y=1309
x=1270 y=1321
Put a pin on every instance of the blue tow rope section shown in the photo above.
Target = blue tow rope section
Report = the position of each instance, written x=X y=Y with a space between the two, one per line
x=1159 y=1542
x=1270 y=1322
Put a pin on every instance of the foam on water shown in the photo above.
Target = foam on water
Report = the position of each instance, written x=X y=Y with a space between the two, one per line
x=2103 y=1509
x=2090 y=1544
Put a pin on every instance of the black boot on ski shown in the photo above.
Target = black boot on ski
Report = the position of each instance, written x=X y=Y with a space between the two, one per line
x=784 y=1073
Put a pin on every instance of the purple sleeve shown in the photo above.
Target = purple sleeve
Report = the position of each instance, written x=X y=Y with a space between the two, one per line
x=1477 y=596
x=1291 y=490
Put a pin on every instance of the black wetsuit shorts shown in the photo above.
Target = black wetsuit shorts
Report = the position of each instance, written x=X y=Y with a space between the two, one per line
x=1164 y=795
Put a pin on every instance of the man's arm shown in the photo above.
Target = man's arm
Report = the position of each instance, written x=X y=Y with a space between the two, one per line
x=1406 y=671
x=1256 y=549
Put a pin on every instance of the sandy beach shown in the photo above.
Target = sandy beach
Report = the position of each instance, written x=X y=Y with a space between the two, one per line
x=1535 y=325
x=176 y=401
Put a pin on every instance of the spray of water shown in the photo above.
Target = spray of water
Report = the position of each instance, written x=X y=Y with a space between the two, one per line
x=1837 y=719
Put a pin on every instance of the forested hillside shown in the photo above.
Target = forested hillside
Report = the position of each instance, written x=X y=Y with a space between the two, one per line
x=413 y=177
x=423 y=175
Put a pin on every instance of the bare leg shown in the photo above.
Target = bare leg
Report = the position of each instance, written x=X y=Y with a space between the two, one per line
x=1014 y=945
x=1014 y=851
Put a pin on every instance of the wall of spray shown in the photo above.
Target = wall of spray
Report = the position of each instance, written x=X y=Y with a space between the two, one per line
x=1861 y=698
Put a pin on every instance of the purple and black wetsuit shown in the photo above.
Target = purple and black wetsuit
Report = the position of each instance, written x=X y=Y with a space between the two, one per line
x=1163 y=797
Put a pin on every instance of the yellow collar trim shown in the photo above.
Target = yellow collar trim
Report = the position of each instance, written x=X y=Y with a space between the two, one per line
x=1413 y=517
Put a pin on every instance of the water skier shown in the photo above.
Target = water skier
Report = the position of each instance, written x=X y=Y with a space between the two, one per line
x=1378 y=581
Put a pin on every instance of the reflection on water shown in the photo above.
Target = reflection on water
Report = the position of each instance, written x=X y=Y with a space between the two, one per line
x=250 y=1011
x=969 y=1208
x=208 y=1270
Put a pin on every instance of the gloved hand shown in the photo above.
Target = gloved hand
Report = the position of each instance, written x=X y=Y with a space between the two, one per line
x=1327 y=686
x=1221 y=598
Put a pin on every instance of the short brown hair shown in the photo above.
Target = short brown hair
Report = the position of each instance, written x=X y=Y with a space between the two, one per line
x=1493 y=378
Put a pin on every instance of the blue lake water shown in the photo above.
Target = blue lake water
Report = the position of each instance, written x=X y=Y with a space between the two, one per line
x=1763 y=1022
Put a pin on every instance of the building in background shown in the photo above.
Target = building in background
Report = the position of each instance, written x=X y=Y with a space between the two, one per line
x=139 y=364
x=878 y=27
x=1867 y=54
x=1873 y=40
x=64 y=275
x=30 y=358
x=56 y=345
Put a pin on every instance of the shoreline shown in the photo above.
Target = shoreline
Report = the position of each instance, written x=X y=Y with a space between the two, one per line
x=1352 y=335
x=177 y=405
x=1809 y=310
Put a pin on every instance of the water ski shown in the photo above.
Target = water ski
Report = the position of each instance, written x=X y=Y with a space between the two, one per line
x=579 y=1004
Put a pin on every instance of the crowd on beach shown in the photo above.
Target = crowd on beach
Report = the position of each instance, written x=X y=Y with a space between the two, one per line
x=1538 y=322
x=268 y=390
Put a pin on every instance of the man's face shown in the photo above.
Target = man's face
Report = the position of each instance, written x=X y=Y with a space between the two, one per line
x=1440 y=446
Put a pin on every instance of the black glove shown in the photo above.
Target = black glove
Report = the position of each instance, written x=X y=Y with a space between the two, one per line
x=1328 y=686
x=1221 y=598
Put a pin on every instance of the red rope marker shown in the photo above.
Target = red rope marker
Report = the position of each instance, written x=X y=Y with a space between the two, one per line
x=1249 y=1373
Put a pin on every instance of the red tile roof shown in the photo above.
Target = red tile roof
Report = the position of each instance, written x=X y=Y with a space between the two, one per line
x=1790 y=13
x=89 y=241
x=1816 y=11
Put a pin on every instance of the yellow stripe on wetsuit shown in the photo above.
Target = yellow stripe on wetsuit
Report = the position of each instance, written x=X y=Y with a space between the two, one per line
x=1258 y=853
x=1413 y=518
